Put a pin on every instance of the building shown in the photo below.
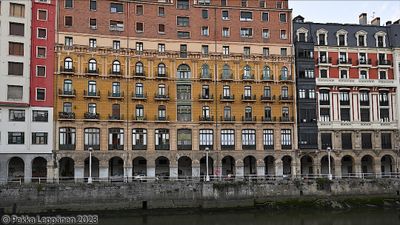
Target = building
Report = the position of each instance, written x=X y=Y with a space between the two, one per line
x=347 y=97
x=26 y=91
x=150 y=85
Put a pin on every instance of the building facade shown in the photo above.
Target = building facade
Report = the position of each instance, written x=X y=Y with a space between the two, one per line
x=347 y=92
x=26 y=98
x=150 y=86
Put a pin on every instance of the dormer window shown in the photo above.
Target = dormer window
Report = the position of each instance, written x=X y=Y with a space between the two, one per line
x=322 y=37
x=341 y=36
x=361 y=37
x=342 y=40
x=302 y=34
x=361 y=40
x=380 y=38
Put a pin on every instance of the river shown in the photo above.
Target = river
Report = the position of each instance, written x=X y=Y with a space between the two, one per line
x=368 y=216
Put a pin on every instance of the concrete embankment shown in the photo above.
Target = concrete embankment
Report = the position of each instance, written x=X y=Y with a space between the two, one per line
x=35 y=198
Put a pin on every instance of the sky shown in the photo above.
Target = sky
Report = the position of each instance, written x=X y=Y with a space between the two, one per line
x=345 y=11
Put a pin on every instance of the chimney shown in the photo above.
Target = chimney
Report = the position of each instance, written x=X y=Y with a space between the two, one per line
x=388 y=23
x=363 y=19
x=376 y=21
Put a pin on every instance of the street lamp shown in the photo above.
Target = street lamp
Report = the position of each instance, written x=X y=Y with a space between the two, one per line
x=90 y=165
x=207 y=175
x=329 y=163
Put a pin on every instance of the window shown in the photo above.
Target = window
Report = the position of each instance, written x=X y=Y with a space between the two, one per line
x=361 y=40
x=268 y=139
x=93 y=5
x=247 y=72
x=92 y=138
x=248 y=113
x=246 y=51
x=321 y=39
x=282 y=17
x=139 y=89
x=15 y=68
x=17 y=10
x=283 y=51
x=92 y=88
x=205 y=113
x=204 y=49
x=246 y=32
x=341 y=40
x=184 y=140
x=283 y=34
x=68 y=21
x=68 y=4
x=139 y=46
x=139 y=27
x=383 y=98
x=246 y=16
x=224 y=3
x=92 y=66
x=14 y=92
x=225 y=14
x=345 y=114
x=139 y=112
x=139 y=69
x=162 y=112
x=115 y=139
x=366 y=140
x=226 y=91
x=68 y=64
x=382 y=75
x=286 y=139
x=265 y=33
x=364 y=98
x=116 y=25
x=344 y=98
x=244 y=3
x=139 y=139
x=40 y=116
x=225 y=32
x=40 y=71
x=161 y=11
x=326 y=140
x=363 y=74
x=204 y=14
x=93 y=24
x=302 y=93
x=267 y=113
x=116 y=8
x=206 y=139
x=161 y=48
x=264 y=16
x=324 y=114
x=182 y=4
x=92 y=43
x=311 y=94
x=41 y=52
x=226 y=72
x=161 y=28
x=67 y=107
x=344 y=74
x=68 y=41
x=116 y=67
x=17 y=29
x=15 y=48
x=67 y=136
x=40 y=94
x=42 y=33
x=67 y=87
x=182 y=21
x=204 y=31
x=225 y=50
x=16 y=138
x=183 y=92
x=39 y=138
x=92 y=108
x=184 y=113
x=323 y=73
x=346 y=141
x=249 y=139
x=162 y=139
x=227 y=139
x=161 y=70
x=227 y=113
x=205 y=71
x=139 y=10
x=116 y=45
x=364 y=112
x=386 y=140
x=16 y=115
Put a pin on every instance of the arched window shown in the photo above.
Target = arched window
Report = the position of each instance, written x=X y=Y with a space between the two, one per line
x=139 y=69
x=284 y=73
x=68 y=64
x=183 y=72
x=247 y=72
x=266 y=73
x=116 y=67
x=92 y=66
x=226 y=72
x=161 y=70
x=205 y=71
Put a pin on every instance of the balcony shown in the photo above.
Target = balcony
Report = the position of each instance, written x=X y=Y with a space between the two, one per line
x=227 y=77
x=268 y=147
x=115 y=95
x=67 y=93
x=115 y=117
x=162 y=76
x=287 y=78
x=267 y=98
x=206 y=119
x=364 y=62
x=206 y=98
x=91 y=94
x=324 y=61
x=158 y=97
x=95 y=72
x=249 y=147
x=139 y=147
x=247 y=98
x=205 y=77
x=267 y=78
x=91 y=116
x=249 y=77
x=384 y=63
x=286 y=147
x=184 y=147
x=64 y=70
x=139 y=75
x=139 y=96
x=95 y=147
x=164 y=119
x=66 y=115
x=286 y=119
x=225 y=119
x=248 y=119
x=344 y=62
x=285 y=98
x=139 y=118
x=112 y=73
x=268 y=119
x=162 y=147
x=229 y=98
x=115 y=147
x=67 y=146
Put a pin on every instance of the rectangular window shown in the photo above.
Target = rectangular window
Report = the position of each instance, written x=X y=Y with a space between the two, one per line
x=93 y=5
x=40 y=71
x=39 y=138
x=265 y=16
x=93 y=24
x=15 y=48
x=92 y=138
x=17 y=10
x=116 y=25
x=182 y=21
x=68 y=21
x=204 y=14
x=41 y=52
x=283 y=34
x=206 y=139
x=246 y=32
x=116 y=45
x=161 y=48
x=283 y=51
x=67 y=138
x=161 y=28
x=17 y=29
x=249 y=139
x=205 y=31
x=246 y=16
x=184 y=113
x=40 y=94
x=15 y=68
x=41 y=33
x=225 y=50
x=364 y=112
x=139 y=27
x=182 y=4
x=16 y=138
x=345 y=114
x=162 y=139
x=326 y=140
x=161 y=11
x=386 y=140
x=14 y=92
x=265 y=52
x=346 y=141
x=68 y=41
x=268 y=139
x=139 y=10
x=16 y=115
x=42 y=15
x=183 y=34
x=40 y=116
x=286 y=139
x=184 y=140
x=265 y=33
x=116 y=8
x=139 y=139
x=227 y=139
x=225 y=14
x=68 y=4
x=225 y=32
x=366 y=141
x=282 y=17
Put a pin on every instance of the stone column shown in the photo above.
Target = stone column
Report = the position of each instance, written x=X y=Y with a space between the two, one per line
x=196 y=170
x=79 y=176
x=338 y=169
x=173 y=169
x=103 y=170
x=377 y=168
x=28 y=170
x=51 y=175
x=239 y=170
x=278 y=167
x=151 y=168
x=260 y=169
x=357 y=169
